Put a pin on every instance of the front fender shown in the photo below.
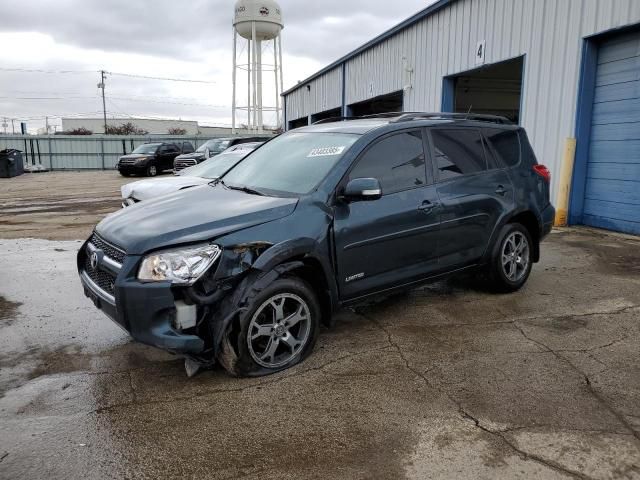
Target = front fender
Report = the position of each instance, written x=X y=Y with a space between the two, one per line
x=283 y=251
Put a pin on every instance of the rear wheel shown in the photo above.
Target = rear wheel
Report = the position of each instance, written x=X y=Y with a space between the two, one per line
x=511 y=259
x=278 y=330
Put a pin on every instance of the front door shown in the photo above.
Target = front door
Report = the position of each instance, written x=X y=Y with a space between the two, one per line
x=474 y=193
x=392 y=240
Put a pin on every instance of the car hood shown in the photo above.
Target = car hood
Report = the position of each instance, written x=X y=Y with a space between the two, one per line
x=194 y=215
x=196 y=155
x=136 y=155
x=158 y=187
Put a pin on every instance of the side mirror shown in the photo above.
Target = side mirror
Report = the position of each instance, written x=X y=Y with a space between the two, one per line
x=360 y=189
x=207 y=153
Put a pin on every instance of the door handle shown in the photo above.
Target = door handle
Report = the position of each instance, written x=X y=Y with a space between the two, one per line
x=501 y=190
x=427 y=206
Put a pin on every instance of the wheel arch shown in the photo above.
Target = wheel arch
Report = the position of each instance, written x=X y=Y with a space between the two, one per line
x=530 y=221
x=311 y=267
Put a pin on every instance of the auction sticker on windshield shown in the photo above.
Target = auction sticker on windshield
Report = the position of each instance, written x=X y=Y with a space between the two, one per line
x=326 y=151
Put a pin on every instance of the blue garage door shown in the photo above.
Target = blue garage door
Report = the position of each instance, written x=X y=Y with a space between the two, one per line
x=612 y=194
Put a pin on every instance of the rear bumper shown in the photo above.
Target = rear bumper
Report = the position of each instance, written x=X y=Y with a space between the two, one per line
x=145 y=311
x=548 y=216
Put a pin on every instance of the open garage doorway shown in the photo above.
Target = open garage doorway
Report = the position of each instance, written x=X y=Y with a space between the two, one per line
x=336 y=112
x=494 y=89
x=391 y=102
x=300 y=122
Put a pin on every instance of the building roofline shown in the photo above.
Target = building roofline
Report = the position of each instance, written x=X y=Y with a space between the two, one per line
x=422 y=14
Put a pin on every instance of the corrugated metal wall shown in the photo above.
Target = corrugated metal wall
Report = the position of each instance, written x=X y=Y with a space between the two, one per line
x=325 y=94
x=75 y=152
x=548 y=32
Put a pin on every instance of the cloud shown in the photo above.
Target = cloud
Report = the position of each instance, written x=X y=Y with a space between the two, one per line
x=163 y=38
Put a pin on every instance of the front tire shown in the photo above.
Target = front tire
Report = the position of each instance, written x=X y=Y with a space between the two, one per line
x=511 y=259
x=152 y=170
x=278 y=330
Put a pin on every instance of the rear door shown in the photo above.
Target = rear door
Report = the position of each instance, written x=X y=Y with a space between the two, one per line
x=167 y=154
x=391 y=240
x=473 y=191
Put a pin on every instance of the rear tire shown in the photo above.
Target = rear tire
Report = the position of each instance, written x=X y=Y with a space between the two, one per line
x=278 y=330
x=511 y=259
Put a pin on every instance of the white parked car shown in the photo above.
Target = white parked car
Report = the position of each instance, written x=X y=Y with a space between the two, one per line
x=200 y=174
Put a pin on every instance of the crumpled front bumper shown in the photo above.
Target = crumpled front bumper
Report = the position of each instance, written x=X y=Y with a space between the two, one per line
x=145 y=310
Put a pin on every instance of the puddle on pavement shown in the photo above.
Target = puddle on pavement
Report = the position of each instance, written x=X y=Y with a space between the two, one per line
x=8 y=311
x=614 y=255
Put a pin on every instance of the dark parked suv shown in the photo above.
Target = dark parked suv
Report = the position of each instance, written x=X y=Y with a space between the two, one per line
x=152 y=158
x=245 y=269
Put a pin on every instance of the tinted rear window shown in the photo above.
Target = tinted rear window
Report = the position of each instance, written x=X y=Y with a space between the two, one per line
x=458 y=152
x=505 y=145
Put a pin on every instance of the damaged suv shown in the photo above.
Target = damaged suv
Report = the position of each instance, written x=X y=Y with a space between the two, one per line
x=245 y=269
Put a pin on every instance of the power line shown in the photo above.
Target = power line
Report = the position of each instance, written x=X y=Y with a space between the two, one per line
x=128 y=99
x=131 y=75
x=39 y=70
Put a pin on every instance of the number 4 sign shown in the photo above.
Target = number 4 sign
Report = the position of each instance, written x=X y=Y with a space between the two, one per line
x=480 y=52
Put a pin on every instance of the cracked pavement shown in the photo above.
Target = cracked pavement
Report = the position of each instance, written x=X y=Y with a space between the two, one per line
x=446 y=381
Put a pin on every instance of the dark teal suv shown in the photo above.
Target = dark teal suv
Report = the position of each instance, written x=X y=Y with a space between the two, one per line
x=245 y=269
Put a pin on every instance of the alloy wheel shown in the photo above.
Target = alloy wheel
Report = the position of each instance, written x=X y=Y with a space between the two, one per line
x=515 y=256
x=279 y=330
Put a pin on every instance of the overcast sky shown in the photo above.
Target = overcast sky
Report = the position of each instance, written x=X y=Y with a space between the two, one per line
x=162 y=38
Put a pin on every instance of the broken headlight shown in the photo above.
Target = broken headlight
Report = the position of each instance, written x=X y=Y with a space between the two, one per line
x=181 y=266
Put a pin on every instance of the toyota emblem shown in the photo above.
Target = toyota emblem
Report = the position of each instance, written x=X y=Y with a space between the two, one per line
x=94 y=260
x=264 y=11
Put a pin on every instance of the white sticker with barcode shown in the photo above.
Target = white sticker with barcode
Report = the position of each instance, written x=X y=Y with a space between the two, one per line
x=326 y=151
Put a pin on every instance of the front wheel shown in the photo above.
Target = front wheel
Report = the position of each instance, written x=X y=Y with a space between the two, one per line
x=278 y=330
x=511 y=259
x=152 y=171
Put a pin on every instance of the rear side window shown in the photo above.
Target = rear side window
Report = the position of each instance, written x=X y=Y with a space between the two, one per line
x=397 y=161
x=528 y=156
x=458 y=152
x=505 y=145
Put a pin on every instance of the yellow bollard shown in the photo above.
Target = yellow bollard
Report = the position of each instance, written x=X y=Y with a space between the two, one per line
x=564 y=186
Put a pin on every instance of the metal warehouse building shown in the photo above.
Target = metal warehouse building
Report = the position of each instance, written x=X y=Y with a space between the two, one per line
x=563 y=69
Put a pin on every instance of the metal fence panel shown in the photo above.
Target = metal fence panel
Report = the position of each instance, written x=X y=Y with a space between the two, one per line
x=91 y=152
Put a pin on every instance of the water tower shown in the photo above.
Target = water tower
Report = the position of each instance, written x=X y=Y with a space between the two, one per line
x=258 y=22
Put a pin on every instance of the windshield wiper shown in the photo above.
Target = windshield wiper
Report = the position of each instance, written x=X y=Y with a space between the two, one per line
x=240 y=188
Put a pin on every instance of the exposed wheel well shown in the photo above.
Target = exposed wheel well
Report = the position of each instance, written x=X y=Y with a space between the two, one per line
x=313 y=274
x=530 y=222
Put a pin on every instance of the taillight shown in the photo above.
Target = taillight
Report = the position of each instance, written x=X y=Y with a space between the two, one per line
x=543 y=172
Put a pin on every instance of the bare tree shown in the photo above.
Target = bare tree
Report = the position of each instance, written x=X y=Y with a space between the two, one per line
x=177 y=131
x=125 y=129
x=77 y=131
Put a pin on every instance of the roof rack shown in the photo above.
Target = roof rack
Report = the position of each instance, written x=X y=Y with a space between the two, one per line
x=361 y=117
x=406 y=117
x=333 y=119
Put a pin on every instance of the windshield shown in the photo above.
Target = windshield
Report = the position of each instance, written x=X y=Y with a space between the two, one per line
x=214 y=146
x=214 y=167
x=147 y=148
x=293 y=163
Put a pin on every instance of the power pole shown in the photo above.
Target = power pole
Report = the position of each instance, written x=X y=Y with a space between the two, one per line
x=103 y=76
x=46 y=124
x=13 y=128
